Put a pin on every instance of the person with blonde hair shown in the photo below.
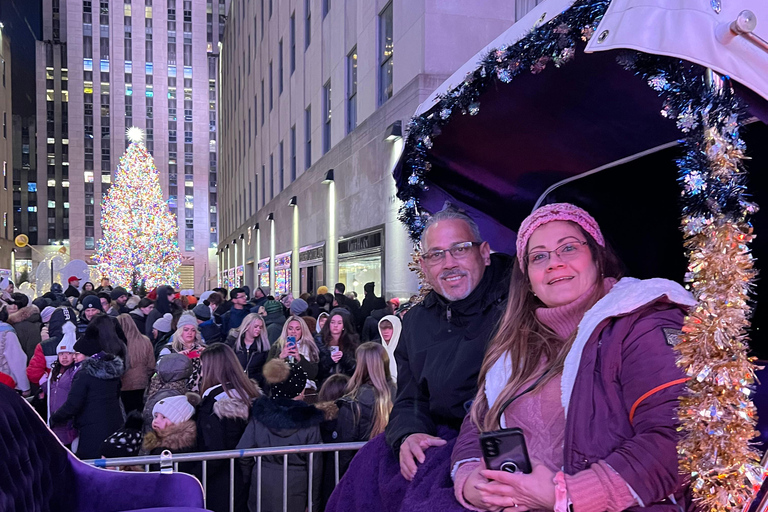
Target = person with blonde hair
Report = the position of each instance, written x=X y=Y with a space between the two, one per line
x=186 y=340
x=251 y=346
x=221 y=420
x=303 y=352
x=142 y=365
x=364 y=409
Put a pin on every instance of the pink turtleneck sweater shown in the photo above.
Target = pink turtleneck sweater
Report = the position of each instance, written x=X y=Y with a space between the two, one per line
x=541 y=416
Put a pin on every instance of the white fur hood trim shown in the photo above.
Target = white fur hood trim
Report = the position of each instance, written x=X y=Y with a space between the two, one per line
x=626 y=296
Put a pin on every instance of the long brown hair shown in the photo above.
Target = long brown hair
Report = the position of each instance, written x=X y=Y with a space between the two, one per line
x=307 y=341
x=373 y=368
x=527 y=341
x=348 y=341
x=134 y=338
x=221 y=366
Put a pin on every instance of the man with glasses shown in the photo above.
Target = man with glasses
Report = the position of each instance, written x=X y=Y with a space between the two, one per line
x=439 y=354
x=443 y=339
x=234 y=317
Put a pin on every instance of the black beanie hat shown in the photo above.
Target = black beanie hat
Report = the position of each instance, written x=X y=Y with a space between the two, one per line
x=284 y=379
x=117 y=293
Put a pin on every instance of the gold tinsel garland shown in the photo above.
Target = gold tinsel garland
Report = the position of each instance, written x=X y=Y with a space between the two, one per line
x=717 y=415
x=415 y=266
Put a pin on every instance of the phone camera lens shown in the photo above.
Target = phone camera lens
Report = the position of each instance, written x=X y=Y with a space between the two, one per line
x=509 y=467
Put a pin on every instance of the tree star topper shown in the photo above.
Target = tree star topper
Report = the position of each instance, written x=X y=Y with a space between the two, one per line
x=135 y=134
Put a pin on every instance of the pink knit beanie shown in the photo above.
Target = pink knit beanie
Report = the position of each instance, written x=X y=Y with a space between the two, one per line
x=549 y=213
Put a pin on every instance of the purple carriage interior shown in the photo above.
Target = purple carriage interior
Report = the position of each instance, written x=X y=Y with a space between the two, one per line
x=592 y=102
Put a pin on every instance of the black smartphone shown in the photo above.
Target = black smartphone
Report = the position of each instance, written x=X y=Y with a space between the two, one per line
x=505 y=450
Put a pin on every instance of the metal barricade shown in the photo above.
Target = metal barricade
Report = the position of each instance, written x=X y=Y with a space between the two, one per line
x=167 y=458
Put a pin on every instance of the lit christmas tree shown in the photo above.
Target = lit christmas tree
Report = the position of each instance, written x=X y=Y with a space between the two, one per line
x=139 y=244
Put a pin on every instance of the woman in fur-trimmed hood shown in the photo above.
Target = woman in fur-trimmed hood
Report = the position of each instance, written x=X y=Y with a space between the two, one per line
x=221 y=419
x=94 y=399
x=282 y=419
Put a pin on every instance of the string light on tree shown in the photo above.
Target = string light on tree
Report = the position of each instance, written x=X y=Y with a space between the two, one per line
x=139 y=244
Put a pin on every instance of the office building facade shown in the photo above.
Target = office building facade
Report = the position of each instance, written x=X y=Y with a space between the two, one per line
x=103 y=67
x=315 y=95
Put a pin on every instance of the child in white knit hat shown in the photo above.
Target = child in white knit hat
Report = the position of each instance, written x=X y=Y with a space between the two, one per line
x=172 y=425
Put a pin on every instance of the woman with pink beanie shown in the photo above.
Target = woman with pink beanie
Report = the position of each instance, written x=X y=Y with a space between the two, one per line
x=582 y=363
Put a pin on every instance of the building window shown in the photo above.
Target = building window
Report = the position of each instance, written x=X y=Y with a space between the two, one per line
x=326 y=7
x=271 y=176
x=280 y=67
x=307 y=23
x=281 y=160
x=271 y=87
x=308 y=137
x=386 y=65
x=262 y=103
x=262 y=19
x=327 y=117
x=293 y=153
x=263 y=185
x=293 y=42
x=352 y=90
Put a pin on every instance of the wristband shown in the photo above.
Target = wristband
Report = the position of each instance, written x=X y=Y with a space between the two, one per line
x=562 y=503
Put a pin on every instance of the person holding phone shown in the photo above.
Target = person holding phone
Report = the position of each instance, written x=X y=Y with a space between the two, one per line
x=582 y=372
x=296 y=345
x=339 y=342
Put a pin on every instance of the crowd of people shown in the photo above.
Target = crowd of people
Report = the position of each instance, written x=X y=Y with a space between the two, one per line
x=553 y=345
x=117 y=374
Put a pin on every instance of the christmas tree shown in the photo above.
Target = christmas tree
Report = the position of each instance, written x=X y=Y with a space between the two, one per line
x=139 y=245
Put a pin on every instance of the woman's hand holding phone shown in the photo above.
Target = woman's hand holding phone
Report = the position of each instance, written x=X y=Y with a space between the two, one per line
x=474 y=495
x=336 y=356
x=518 y=491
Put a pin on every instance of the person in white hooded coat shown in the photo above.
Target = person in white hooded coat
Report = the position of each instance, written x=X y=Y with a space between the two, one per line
x=389 y=332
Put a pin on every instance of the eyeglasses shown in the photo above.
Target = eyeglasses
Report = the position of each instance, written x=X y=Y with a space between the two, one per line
x=565 y=252
x=458 y=251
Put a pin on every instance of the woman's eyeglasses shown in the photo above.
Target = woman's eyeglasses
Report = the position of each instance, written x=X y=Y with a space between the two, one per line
x=565 y=252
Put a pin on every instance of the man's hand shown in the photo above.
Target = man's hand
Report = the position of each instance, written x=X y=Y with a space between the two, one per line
x=413 y=447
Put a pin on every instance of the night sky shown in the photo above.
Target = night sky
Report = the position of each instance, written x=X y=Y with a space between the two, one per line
x=22 y=20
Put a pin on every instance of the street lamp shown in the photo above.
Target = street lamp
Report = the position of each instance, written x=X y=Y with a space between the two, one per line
x=394 y=132
x=270 y=216
x=328 y=177
x=293 y=202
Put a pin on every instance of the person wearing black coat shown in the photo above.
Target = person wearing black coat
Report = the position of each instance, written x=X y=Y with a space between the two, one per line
x=370 y=303
x=337 y=336
x=94 y=399
x=163 y=305
x=440 y=352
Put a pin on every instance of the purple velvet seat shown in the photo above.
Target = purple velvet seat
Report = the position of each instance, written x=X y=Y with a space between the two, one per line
x=37 y=473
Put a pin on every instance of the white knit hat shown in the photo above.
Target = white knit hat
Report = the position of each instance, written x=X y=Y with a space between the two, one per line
x=163 y=324
x=176 y=408
x=46 y=313
x=67 y=343
x=186 y=318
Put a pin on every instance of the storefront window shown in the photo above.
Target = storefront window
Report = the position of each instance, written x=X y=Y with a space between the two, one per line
x=354 y=272
x=263 y=269
x=282 y=274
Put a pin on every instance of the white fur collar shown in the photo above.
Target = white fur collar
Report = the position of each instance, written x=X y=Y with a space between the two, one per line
x=626 y=296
